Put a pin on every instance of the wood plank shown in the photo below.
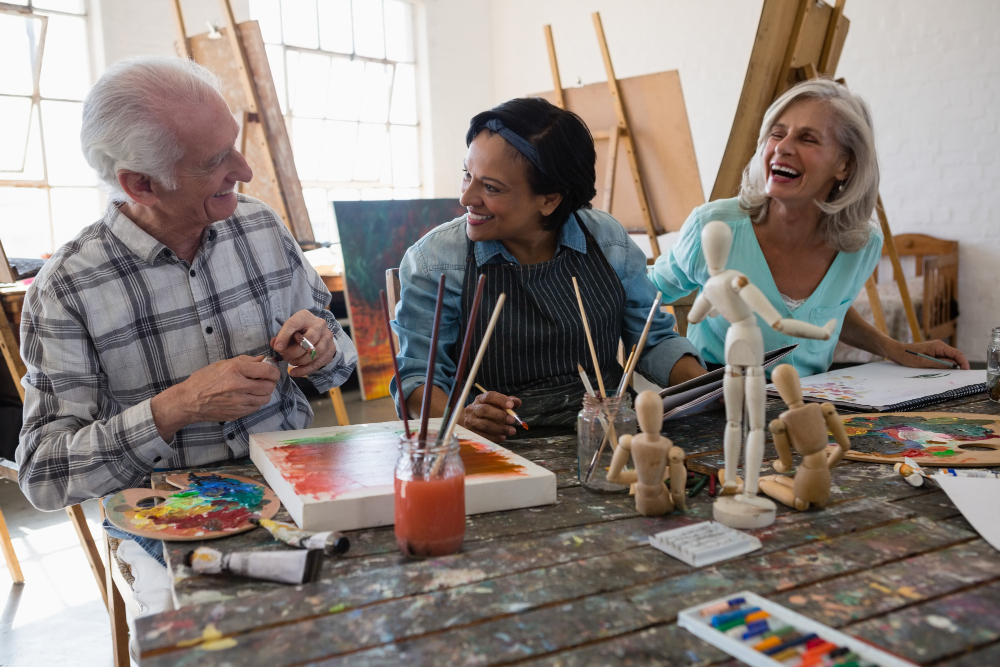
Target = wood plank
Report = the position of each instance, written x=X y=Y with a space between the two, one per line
x=659 y=646
x=560 y=101
x=990 y=655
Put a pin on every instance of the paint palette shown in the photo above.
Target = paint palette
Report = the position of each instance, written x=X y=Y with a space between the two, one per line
x=207 y=506
x=341 y=478
x=950 y=439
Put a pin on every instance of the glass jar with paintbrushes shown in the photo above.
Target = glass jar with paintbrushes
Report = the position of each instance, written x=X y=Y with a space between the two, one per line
x=993 y=366
x=429 y=496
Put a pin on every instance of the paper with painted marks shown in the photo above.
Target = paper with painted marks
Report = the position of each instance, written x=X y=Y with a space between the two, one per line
x=341 y=478
x=977 y=499
x=887 y=386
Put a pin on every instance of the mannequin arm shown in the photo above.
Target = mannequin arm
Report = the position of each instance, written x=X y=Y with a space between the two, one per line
x=836 y=427
x=780 y=435
x=618 y=461
x=754 y=298
x=701 y=308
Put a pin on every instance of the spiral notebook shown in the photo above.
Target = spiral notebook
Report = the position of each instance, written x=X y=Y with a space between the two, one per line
x=888 y=387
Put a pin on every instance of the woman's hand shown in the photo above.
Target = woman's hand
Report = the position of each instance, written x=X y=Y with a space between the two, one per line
x=932 y=348
x=487 y=415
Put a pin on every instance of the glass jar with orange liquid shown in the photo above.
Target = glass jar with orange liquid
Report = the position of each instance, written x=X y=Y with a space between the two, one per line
x=429 y=497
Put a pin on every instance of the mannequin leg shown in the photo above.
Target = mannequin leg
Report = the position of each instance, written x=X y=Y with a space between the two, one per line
x=780 y=488
x=755 y=396
x=732 y=390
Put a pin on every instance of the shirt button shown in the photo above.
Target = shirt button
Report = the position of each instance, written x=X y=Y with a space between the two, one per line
x=208 y=330
x=157 y=459
x=231 y=436
x=192 y=273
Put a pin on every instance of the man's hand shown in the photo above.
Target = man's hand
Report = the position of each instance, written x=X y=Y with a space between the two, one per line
x=220 y=392
x=932 y=348
x=487 y=415
x=315 y=330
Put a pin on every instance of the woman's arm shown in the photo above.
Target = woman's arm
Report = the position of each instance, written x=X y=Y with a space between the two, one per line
x=862 y=335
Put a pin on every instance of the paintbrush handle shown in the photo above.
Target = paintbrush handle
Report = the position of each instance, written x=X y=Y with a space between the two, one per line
x=949 y=364
x=425 y=404
x=642 y=340
x=395 y=364
x=590 y=340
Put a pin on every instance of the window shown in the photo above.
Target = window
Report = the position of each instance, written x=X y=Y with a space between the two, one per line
x=47 y=190
x=346 y=78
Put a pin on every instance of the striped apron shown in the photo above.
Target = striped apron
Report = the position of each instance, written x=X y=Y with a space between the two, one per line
x=539 y=337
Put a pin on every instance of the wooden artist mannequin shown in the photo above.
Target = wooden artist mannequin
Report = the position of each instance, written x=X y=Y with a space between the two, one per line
x=655 y=459
x=730 y=294
x=803 y=426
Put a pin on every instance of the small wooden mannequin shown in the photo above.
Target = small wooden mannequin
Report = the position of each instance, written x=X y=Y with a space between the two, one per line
x=804 y=426
x=655 y=459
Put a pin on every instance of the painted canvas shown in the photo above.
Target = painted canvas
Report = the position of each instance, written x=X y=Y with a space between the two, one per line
x=206 y=506
x=931 y=438
x=341 y=478
x=374 y=235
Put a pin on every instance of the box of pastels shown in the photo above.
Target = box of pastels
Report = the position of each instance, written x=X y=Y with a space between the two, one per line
x=762 y=633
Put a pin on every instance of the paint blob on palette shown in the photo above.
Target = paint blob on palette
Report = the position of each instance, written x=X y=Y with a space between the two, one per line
x=206 y=506
x=933 y=438
x=341 y=478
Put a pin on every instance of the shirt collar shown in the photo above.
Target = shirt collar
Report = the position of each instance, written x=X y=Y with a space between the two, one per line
x=570 y=236
x=144 y=246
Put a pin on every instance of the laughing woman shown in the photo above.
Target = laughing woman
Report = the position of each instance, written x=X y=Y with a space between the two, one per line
x=801 y=230
x=527 y=183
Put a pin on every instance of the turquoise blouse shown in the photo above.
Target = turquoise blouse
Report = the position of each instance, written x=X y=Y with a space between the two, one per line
x=683 y=270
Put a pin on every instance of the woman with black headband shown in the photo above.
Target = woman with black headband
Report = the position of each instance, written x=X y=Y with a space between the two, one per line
x=527 y=183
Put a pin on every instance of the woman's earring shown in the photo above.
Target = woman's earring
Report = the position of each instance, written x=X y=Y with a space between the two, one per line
x=840 y=187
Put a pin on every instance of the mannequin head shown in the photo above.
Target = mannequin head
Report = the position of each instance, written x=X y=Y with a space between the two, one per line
x=786 y=380
x=716 y=239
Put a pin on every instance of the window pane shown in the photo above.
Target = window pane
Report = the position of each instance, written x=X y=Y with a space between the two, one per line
x=25 y=226
x=298 y=23
x=386 y=177
x=398 y=31
x=19 y=42
x=375 y=194
x=345 y=194
x=276 y=61
x=72 y=210
x=339 y=140
x=346 y=82
x=317 y=205
x=313 y=73
x=335 y=26
x=292 y=70
x=268 y=14
x=368 y=37
x=63 y=157
x=307 y=136
x=68 y=6
x=33 y=168
x=405 y=161
x=65 y=66
x=404 y=96
x=406 y=193
x=15 y=118
x=375 y=95
x=368 y=160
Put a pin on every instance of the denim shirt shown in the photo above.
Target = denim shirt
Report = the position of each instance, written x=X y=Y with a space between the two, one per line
x=444 y=250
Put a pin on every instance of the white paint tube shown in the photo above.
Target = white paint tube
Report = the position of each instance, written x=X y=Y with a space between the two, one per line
x=331 y=542
x=286 y=567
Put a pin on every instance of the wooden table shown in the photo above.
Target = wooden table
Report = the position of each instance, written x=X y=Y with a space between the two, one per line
x=577 y=584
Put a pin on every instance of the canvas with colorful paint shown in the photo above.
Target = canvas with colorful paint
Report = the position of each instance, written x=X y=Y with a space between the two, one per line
x=341 y=478
x=932 y=438
x=374 y=235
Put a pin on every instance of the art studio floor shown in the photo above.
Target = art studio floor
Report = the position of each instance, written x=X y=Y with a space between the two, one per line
x=57 y=617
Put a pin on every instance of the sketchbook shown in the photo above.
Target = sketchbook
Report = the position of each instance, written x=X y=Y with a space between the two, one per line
x=702 y=392
x=888 y=387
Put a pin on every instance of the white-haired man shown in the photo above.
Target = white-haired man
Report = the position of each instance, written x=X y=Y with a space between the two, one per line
x=143 y=336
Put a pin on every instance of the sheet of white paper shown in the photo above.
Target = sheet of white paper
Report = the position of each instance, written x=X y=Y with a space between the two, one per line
x=977 y=499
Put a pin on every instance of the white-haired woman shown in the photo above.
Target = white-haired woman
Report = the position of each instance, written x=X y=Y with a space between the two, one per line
x=802 y=230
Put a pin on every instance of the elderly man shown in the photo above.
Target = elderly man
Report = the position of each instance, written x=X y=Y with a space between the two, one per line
x=144 y=336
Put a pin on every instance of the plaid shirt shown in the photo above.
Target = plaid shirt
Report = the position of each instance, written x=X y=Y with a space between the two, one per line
x=115 y=318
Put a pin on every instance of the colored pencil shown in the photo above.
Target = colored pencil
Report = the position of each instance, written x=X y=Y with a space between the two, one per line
x=590 y=341
x=463 y=358
x=507 y=410
x=949 y=364
x=395 y=364
x=425 y=404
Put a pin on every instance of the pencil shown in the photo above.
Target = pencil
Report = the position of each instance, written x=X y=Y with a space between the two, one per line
x=463 y=358
x=425 y=405
x=395 y=364
x=507 y=410
x=949 y=364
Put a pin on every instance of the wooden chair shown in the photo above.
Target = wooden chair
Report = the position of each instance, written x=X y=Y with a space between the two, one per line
x=680 y=308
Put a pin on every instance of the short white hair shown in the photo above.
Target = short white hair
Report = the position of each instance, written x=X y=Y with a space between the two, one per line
x=126 y=116
x=846 y=214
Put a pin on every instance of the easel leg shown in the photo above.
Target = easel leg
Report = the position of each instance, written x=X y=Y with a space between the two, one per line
x=79 y=521
x=116 y=608
x=8 y=553
x=337 y=398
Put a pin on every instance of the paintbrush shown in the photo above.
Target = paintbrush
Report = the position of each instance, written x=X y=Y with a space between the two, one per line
x=472 y=377
x=301 y=340
x=586 y=380
x=507 y=410
x=395 y=364
x=463 y=358
x=943 y=362
x=590 y=341
x=628 y=362
x=425 y=404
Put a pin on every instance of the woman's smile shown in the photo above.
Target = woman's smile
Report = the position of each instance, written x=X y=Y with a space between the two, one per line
x=477 y=218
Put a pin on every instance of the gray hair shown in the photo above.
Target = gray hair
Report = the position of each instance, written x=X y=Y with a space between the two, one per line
x=847 y=212
x=126 y=117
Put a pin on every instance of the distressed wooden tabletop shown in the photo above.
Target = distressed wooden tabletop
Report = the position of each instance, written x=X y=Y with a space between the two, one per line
x=576 y=583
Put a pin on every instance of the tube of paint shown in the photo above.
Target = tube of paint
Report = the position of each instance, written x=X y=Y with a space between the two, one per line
x=332 y=543
x=286 y=567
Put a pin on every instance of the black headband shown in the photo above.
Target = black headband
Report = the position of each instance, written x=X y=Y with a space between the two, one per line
x=522 y=145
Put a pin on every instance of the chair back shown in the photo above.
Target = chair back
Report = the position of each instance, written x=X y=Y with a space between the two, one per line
x=392 y=295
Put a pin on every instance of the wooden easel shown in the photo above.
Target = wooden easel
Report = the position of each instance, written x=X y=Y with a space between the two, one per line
x=621 y=131
x=797 y=40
